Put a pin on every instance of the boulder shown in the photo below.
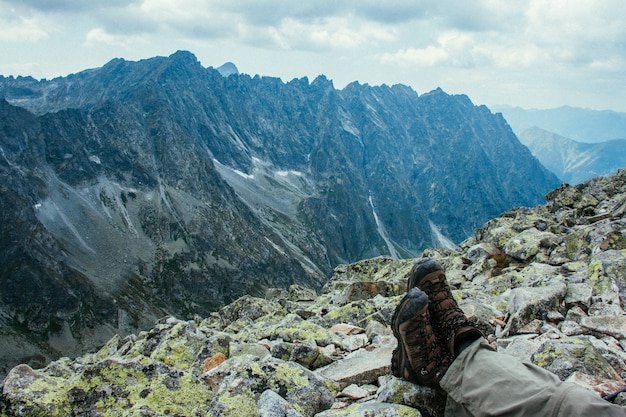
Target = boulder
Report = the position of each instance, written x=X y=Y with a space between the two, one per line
x=372 y=410
x=569 y=354
x=362 y=366
x=530 y=243
x=530 y=303
x=429 y=402
x=137 y=386
x=237 y=385
x=606 y=325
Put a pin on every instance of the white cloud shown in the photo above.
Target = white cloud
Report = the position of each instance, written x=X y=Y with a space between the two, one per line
x=610 y=64
x=578 y=32
x=20 y=25
x=491 y=53
x=557 y=44
x=429 y=56
x=63 y=6
x=174 y=11
x=557 y=33
x=101 y=36
x=22 y=30
x=451 y=49
x=328 y=34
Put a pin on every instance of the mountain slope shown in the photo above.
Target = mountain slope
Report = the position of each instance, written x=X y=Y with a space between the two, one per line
x=574 y=162
x=545 y=284
x=583 y=125
x=162 y=187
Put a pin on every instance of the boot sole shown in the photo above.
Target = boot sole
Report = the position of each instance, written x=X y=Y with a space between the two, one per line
x=414 y=301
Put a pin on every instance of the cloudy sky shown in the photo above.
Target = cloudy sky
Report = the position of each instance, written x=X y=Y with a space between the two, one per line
x=528 y=53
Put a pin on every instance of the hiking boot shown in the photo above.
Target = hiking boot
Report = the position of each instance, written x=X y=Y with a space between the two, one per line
x=451 y=325
x=419 y=357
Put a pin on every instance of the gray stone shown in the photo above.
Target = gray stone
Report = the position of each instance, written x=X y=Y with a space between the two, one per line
x=522 y=347
x=375 y=328
x=254 y=349
x=578 y=295
x=608 y=325
x=362 y=366
x=273 y=405
x=567 y=355
x=372 y=409
x=235 y=381
x=530 y=303
x=529 y=243
x=353 y=392
x=484 y=250
x=575 y=314
x=248 y=307
x=301 y=293
x=428 y=401
x=570 y=328
x=354 y=342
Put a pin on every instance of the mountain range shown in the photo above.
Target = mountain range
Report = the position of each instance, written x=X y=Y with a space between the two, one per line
x=156 y=187
x=575 y=123
x=574 y=143
x=574 y=162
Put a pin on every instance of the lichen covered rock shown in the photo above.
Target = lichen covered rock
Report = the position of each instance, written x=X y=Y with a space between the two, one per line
x=372 y=410
x=111 y=387
x=238 y=382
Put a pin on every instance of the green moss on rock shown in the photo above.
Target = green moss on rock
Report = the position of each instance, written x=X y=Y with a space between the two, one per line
x=235 y=405
x=596 y=278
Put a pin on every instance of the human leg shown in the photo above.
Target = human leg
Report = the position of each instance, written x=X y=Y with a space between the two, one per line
x=484 y=382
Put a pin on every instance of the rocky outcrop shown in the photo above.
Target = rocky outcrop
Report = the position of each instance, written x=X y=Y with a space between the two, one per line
x=547 y=285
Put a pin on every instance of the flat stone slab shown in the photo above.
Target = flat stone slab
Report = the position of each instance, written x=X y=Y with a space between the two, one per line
x=361 y=367
x=610 y=325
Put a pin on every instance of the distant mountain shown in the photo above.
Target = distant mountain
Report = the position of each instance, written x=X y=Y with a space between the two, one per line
x=582 y=125
x=574 y=162
x=162 y=187
x=228 y=69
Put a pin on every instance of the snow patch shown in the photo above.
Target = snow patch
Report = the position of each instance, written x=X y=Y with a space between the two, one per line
x=382 y=232
x=442 y=240
x=276 y=247
x=49 y=213
x=348 y=126
x=243 y=174
x=286 y=173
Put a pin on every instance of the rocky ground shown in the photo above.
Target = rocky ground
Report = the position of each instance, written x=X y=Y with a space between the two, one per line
x=547 y=284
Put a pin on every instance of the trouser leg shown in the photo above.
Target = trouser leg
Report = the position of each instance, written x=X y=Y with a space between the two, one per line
x=481 y=382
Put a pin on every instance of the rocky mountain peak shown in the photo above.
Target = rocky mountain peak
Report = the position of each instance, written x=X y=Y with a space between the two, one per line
x=322 y=82
x=227 y=69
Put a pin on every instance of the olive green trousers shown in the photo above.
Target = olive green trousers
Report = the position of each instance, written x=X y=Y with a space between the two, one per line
x=482 y=382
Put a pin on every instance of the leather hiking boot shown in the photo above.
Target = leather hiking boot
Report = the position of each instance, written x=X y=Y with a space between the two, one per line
x=449 y=321
x=419 y=357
